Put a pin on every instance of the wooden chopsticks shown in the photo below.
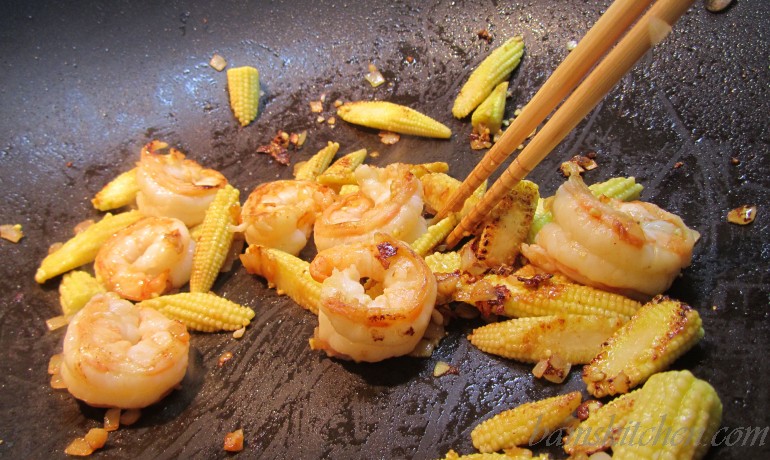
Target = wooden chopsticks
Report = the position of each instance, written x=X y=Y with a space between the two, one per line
x=648 y=31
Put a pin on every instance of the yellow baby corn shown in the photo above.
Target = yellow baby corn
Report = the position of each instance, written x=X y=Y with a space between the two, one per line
x=525 y=424
x=660 y=332
x=525 y=297
x=243 y=85
x=507 y=226
x=82 y=248
x=341 y=171
x=388 y=116
x=494 y=69
x=575 y=338
x=422 y=169
x=489 y=114
x=119 y=192
x=289 y=274
x=676 y=416
x=438 y=187
x=443 y=262
x=76 y=289
x=510 y=454
x=435 y=235
x=603 y=426
x=313 y=167
x=214 y=238
x=202 y=311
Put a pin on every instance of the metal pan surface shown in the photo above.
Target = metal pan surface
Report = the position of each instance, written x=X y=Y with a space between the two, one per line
x=83 y=85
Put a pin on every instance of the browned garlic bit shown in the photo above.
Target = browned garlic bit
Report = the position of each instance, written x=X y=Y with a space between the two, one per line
x=742 y=215
x=218 y=63
x=443 y=368
x=224 y=358
x=554 y=369
x=234 y=441
x=389 y=138
x=11 y=232
x=374 y=77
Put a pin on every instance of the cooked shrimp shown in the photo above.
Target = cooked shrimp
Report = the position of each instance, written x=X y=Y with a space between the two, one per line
x=281 y=214
x=389 y=200
x=354 y=325
x=119 y=355
x=635 y=248
x=146 y=259
x=172 y=186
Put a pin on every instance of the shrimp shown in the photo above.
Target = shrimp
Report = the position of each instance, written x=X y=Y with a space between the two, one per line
x=281 y=214
x=352 y=324
x=634 y=248
x=172 y=186
x=389 y=200
x=120 y=355
x=146 y=259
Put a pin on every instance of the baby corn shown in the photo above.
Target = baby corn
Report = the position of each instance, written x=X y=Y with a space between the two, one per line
x=341 y=171
x=76 y=289
x=509 y=454
x=494 y=69
x=82 y=248
x=388 y=116
x=602 y=427
x=119 y=192
x=243 y=85
x=660 y=332
x=489 y=114
x=313 y=167
x=676 y=416
x=520 y=297
x=422 y=169
x=289 y=274
x=443 y=262
x=525 y=424
x=202 y=311
x=434 y=236
x=575 y=338
x=214 y=238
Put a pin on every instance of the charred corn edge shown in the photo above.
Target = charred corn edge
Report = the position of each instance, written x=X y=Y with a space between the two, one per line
x=214 y=239
x=674 y=402
x=495 y=68
x=561 y=297
x=443 y=262
x=534 y=339
x=598 y=431
x=508 y=224
x=76 y=289
x=311 y=169
x=490 y=111
x=119 y=192
x=659 y=333
x=516 y=427
x=341 y=171
x=82 y=248
x=288 y=273
x=397 y=118
x=201 y=311
x=436 y=234
x=243 y=86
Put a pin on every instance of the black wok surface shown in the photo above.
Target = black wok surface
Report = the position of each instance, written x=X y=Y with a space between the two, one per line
x=84 y=84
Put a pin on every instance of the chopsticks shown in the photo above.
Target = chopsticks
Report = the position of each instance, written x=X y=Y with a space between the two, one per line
x=648 y=31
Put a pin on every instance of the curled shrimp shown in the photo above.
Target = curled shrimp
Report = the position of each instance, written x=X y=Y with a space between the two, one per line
x=389 y=200
x=635 y=248
x=281 y=214
x=120 y=355
x=172 y=186
x=146 y=259
x=388 y=317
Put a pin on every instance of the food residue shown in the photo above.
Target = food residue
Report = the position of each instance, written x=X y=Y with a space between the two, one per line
x=224 y=358
x=742 y=215
x=234 y=441
x=443 y=368
x=11 y=232
x=388 y=137
x=218 y=63
x=374 y=77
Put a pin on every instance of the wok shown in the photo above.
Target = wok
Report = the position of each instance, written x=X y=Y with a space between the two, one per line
x=85 y=84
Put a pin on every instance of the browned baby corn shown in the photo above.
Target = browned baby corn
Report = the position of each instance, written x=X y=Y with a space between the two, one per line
x=76 y=289
x=510 y=454
x=660 y=332
x=603 y=426
x=575 y=338
x=494 y=69
x=243 y=85
x=676 y=416
x=525 y=424
x=119 y=192
x=421 y=169
x=507 y=226
x=202 y=311
x=289 y=274
x=388 y=116
x=82 y=248
x=519 y=297
x=341 y=171
x=489 y=114
x=317 y=164
x=214 y=238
